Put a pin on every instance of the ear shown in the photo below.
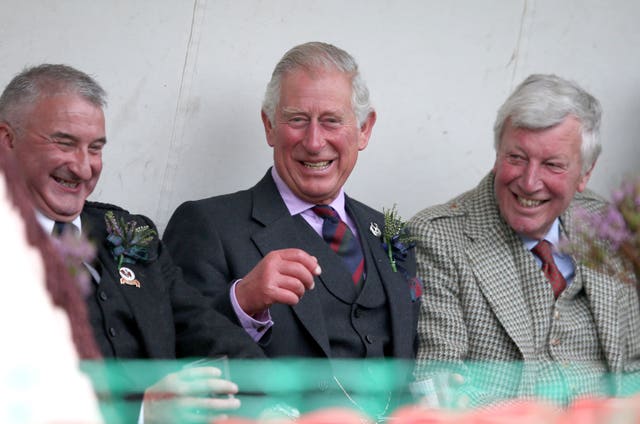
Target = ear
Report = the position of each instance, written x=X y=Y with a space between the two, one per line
x=365 y=130
x=7 y=136
x=584 y=179
x=268 y=127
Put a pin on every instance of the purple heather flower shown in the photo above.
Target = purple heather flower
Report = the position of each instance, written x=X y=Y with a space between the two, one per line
x=74 y=251
x=612 y=227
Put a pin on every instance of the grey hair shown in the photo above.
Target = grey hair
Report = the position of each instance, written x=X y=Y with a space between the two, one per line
x=543 y=101
x=26 y=88
x=313 y=56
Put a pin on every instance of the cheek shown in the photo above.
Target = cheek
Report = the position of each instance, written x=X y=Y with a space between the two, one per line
x=96 y=166
x=285 y=140
x=563 y=190
x=504 y=174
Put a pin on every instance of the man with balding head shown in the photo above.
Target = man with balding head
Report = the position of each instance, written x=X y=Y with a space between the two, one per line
x=52 y=127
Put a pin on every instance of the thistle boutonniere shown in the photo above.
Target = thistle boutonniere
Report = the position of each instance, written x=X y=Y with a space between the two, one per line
x=129 y=242
x=396 y=242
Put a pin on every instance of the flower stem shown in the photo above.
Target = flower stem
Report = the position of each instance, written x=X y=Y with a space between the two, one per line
x=390 y=253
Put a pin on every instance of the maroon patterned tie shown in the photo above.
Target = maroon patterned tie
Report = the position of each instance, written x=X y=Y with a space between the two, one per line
x=341 y=240
x=551 y=271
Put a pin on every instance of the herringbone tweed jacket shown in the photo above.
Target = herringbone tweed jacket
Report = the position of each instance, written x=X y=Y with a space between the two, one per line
x=476 y=271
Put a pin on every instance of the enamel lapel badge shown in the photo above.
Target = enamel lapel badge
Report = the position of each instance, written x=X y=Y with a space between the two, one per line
x=127 y=276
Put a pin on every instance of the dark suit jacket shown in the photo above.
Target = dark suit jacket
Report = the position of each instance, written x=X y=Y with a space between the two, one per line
x=164 y=318
x=220 y=239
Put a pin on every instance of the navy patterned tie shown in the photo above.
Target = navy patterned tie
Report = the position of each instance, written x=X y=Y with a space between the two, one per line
x=341 y=240
x=62 y=227
x=551 y=271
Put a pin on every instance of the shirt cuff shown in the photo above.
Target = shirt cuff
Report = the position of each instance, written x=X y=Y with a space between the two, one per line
x=255 y=326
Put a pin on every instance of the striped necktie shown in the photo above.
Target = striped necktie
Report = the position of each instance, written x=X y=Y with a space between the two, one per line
x=342 y=241
x=551 y=271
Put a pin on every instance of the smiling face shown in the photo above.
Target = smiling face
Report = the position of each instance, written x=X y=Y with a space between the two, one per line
x=59 y=151
x=537 y=173
x=316 y=137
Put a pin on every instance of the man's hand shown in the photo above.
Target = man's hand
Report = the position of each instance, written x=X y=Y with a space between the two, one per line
x=193 y=395
x=282 y=276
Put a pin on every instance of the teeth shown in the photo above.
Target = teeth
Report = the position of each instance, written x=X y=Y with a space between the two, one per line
x=317 y=165
x=66 y=183
x=528 y=203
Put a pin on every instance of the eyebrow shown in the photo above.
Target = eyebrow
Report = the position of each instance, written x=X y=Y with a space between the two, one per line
x=294 y=111
x=291 y=110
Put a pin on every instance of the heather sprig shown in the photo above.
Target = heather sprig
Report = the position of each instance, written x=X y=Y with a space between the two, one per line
x=130 y=242
x=75 y=251
x=602 y=239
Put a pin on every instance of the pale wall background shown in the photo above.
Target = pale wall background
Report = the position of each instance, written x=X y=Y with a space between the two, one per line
x=186 y=78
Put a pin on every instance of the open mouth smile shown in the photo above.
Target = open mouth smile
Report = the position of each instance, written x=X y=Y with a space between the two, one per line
x=529 y=203
x=66 y=183
x=318 y=165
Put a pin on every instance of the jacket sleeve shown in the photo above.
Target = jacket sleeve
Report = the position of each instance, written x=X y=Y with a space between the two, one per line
x=197 y=250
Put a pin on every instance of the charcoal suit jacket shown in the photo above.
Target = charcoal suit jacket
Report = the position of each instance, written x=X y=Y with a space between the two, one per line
x=162 y=317
x=220 y=239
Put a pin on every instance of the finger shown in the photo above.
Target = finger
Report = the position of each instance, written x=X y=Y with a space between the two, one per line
x=205 y=410
x=302 y=257
x=208 y=387
x=286 y=297
x=216 y=404
x=293 y=269
x=198 y=372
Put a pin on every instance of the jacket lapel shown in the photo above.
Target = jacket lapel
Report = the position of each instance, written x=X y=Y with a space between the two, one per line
x=143 y=301
x=281 y=231
x=394 y=283
x=606 y=296
x=497 y=273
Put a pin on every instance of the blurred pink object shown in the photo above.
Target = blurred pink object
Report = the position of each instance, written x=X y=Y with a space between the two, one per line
x=322 y=416
x=236 y=420
x=581 y=411
x=603 y=411
x=423 y=415
x=334 y=416
x=515 y=411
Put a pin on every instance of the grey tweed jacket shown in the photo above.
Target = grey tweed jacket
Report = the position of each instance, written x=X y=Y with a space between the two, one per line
x=476 y=271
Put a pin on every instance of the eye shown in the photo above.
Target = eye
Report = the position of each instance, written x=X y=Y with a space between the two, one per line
x=556 y=166
x=331 y=122
x=96 y=147
x=515 y=158
x=63 y=144
x=297 y=121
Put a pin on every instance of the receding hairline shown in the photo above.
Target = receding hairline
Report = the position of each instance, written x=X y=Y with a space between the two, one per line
x=47 y=80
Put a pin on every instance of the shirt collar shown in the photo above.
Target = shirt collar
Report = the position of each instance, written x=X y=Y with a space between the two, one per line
x=552 y=236
x=47 y=223
x=297 y=205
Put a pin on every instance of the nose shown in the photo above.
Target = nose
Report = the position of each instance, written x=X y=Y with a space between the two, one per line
x=530 y=180
x=81 y=164
x=314 y=137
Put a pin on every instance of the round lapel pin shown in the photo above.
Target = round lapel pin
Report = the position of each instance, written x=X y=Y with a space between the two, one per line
x=127 y=276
